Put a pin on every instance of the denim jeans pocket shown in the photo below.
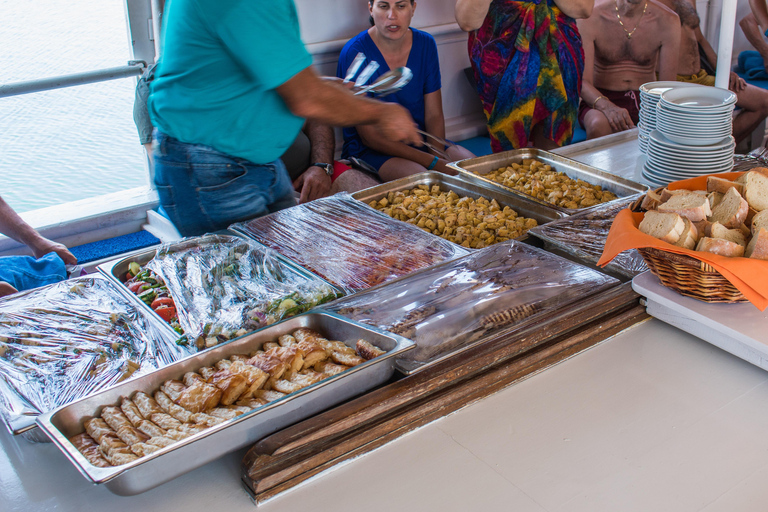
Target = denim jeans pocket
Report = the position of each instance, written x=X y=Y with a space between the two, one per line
x=231 y=193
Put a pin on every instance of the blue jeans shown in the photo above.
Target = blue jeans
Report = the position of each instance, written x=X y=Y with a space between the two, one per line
x=203 y=190
x=26 y=272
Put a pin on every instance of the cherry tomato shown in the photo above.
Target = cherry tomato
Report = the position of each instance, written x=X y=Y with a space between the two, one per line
x=136 y=287
x=167 y=313
x=162 y=301
x=128 y=276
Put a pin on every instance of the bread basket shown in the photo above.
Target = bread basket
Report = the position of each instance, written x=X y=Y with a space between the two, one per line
x=687 y=275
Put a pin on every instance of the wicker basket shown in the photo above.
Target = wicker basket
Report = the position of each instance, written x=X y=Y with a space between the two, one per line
x=687 y=275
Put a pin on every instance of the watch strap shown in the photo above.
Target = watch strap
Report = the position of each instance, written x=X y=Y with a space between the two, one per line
x=328 y=167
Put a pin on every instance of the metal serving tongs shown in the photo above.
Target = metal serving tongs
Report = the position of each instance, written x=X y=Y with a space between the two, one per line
x=391 y=81
x=443 y=143
x=756 y=157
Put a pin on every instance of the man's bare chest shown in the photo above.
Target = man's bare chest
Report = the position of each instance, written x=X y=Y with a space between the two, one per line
x=613 y=45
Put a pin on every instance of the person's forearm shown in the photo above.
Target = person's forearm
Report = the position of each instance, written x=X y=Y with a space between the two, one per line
x=754 y=35
x=322 y=142
x=590 y=94
x=577 y=9
x=470 y=14
x=13 y=226
x=307 y=96
x=760 y=10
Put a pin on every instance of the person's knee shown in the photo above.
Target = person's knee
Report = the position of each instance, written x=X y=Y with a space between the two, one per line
x=459 y=153
x=396 y=168
x=596 y=124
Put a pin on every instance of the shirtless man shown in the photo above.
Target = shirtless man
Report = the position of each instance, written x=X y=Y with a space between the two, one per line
x=752 y=101
x=625 y=42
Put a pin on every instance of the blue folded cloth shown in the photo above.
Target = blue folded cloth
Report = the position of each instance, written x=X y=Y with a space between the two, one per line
x=26 y=272
x=752 y=66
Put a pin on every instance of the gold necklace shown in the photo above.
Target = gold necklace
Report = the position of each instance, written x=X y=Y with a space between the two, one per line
x=629 y=34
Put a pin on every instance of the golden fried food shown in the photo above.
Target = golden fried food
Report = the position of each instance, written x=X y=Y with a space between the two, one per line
x=541 y=181
x=473 y=223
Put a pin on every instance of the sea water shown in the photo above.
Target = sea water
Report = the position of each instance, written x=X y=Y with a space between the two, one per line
x=72 y=143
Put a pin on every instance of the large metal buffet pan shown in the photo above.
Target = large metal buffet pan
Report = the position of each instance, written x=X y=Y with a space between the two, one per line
x=522 y=205
x=474 y=169
x=199 y=449
x=116 y=269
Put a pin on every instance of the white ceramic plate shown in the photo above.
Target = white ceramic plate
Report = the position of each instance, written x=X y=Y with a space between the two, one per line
x=692 y=141
x=661 y=153
x=663 y=171
x=657 y=88
x=657 y=137
x=696 y=98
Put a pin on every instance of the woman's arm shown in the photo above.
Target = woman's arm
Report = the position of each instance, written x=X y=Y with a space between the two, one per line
x=470 y=14
x=577 y=9
x=434 y=121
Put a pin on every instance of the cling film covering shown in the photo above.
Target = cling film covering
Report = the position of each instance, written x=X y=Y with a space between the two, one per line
x=500 y=288
x=347 y=243
x=66 y=340
x=583 y=235
x=225 y=286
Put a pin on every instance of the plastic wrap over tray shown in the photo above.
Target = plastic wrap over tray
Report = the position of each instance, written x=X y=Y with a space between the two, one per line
x=348 y=243
x=469 y=214
x=583 y=236
x=216 y=441
x=66 y=340
x=225 y=286
x=452 y=306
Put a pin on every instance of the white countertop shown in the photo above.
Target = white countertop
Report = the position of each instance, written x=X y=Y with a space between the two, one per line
x=652 y=419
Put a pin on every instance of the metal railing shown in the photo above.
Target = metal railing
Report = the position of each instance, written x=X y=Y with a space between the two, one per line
x=133 y=68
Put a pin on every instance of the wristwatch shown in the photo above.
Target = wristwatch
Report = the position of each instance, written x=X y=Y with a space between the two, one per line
x=327 y=167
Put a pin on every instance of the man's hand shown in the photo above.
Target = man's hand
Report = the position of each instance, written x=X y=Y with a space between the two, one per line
x=313 y=183
x=736 y=83
x=396 y=125
x=618 y=118
x=44 y=246
x=6 y=289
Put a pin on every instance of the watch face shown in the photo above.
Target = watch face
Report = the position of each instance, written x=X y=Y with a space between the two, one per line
x=328 y=168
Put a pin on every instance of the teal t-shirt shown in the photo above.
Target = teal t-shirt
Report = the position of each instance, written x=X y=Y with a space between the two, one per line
x=221 y=62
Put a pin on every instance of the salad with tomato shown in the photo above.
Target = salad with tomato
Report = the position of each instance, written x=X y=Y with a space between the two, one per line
x=151 y=289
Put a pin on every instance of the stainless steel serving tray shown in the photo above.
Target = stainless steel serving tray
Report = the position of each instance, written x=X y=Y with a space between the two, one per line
x=474 y=169
x=521 y=204
x=23 y=423
x=113 y=270
x=170 y=462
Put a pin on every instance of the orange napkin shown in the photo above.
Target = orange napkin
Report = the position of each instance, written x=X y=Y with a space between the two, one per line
x=749 y=276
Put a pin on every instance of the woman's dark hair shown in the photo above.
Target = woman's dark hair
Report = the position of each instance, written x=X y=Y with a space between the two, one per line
x=370 y=18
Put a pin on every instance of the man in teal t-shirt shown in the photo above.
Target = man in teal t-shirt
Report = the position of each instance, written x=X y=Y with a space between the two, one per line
x=229 y=97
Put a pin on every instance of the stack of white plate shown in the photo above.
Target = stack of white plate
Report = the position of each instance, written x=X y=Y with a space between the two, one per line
x=650 y=95
x=668 y=161
x=692 y=135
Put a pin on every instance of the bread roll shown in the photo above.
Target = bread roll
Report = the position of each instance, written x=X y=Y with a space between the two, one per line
x=756 y=190
x=665 y=226
x=758 y=246
x=733 y=235
x=720 y=246
x=694 y=207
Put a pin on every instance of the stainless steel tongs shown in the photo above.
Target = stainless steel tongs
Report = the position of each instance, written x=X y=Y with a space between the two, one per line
x=443 y=144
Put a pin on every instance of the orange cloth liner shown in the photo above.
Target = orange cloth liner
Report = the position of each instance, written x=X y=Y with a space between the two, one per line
x=748 y=275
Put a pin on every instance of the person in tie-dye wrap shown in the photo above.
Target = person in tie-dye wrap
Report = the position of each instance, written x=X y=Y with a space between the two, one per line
x=528 y=64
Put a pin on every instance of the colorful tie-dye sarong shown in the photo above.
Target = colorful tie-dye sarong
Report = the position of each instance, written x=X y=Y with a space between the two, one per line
x=528 y=63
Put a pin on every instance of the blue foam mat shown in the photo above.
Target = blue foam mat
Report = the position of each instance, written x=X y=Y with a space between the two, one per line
x=113 y=246
x=481 y=145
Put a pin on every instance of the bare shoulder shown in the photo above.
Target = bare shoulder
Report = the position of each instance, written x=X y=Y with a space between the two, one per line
x=664 y=12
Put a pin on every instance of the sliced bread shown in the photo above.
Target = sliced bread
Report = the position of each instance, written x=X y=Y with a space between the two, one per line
x=760 y=220
x=715 y=184
x=720 y=246
x=651 y=201
x=714 y=199
x=733 y=235
x=694 y=207
x=756 y=190
x=731 y=211
x=664 y=226
x=758 y=246
x=689 y=236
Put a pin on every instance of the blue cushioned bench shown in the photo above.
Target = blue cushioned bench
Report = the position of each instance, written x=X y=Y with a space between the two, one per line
x=104 y=249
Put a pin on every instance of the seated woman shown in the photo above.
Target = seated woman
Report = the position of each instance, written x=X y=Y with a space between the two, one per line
x=392 y=43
